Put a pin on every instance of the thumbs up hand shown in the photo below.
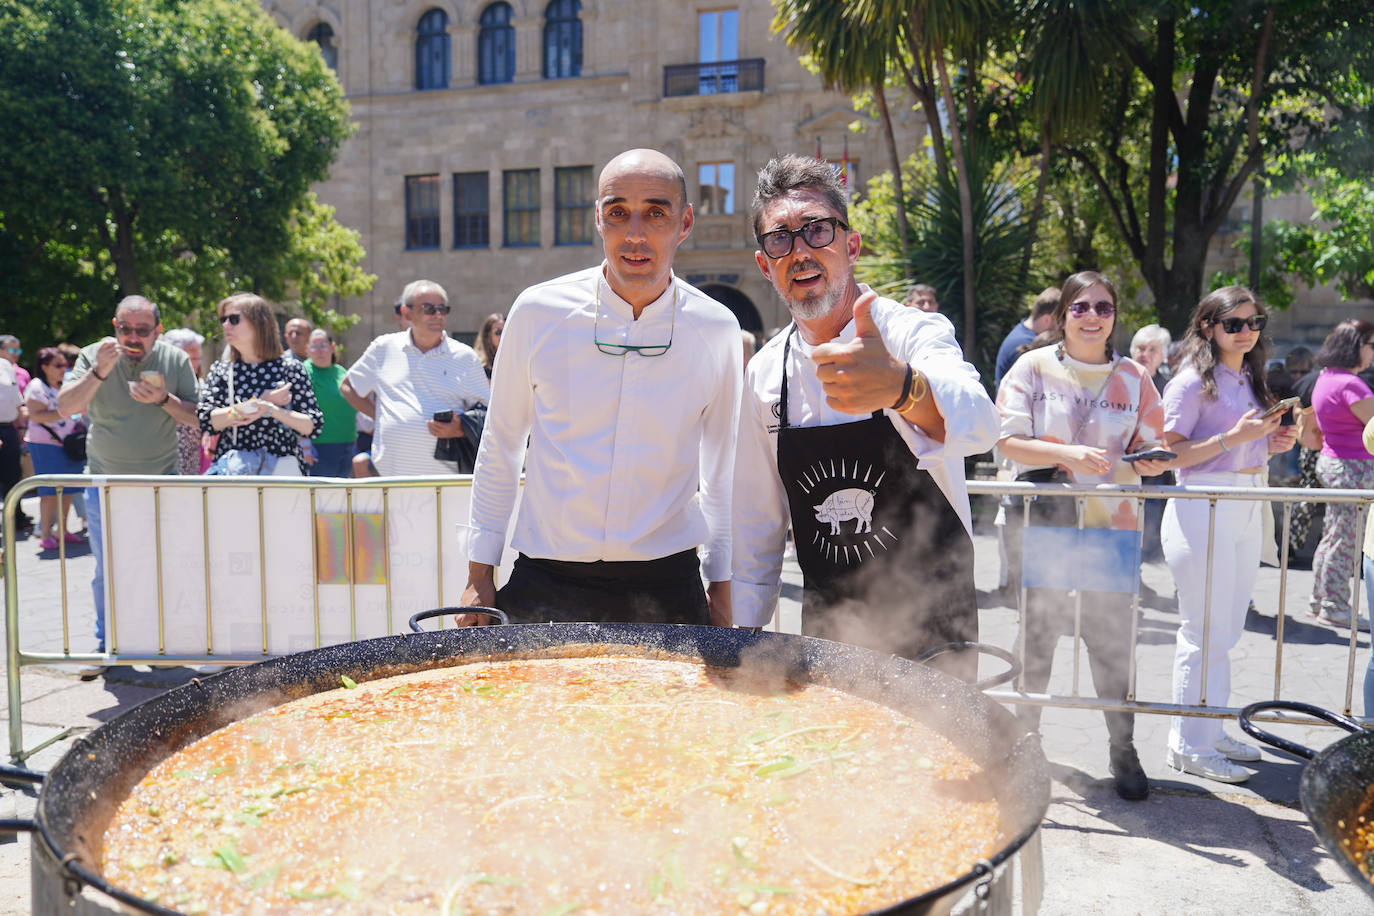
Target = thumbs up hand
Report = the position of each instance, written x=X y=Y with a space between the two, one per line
x=860 y=376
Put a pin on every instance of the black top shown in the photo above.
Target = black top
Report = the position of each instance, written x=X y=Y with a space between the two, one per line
x=251 y=380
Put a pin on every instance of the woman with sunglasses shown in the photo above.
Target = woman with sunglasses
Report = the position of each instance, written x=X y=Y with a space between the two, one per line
x=47 y=429
x=260 y=402
x=1078 y=407
x=334 y=444
x=489 y=340
x=1343 y=404
x=1212 y=421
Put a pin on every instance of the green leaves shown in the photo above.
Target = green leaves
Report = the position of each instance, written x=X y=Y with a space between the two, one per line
x=167 y=149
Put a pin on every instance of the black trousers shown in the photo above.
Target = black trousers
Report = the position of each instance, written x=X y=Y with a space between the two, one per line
x=665 y=590
x=1049 y=614
x=11 y=471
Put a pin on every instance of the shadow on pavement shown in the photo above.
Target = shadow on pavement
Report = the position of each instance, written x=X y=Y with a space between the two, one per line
x=1198 y=821
x=1297 y=629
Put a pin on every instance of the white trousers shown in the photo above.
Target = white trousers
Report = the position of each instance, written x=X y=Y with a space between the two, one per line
x=1234 y=568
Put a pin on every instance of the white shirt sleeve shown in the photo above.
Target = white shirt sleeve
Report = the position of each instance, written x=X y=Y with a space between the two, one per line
x=926 y=341
x=761 y=510
x=473 y=385
x=719 y=431
x=510 y=413
x=362 y=375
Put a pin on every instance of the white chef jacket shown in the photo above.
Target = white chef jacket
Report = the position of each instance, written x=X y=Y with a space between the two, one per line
x=761 y=518
x=630 y=457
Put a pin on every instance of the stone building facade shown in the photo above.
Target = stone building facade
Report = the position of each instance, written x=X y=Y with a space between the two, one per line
x=481 y=127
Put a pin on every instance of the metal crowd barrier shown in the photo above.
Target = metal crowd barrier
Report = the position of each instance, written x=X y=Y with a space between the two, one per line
x=16 y=656
x=1286 y=496
x=253 y=487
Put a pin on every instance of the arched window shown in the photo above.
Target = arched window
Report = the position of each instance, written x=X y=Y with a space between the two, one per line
x=432 y=51
x=496 y=45
x=562 y=39
x=323 y=36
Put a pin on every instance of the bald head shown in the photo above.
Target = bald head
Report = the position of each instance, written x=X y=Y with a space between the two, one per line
x=646 y=163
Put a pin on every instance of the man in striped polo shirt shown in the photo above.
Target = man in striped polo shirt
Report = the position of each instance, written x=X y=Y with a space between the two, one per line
x=405 y=378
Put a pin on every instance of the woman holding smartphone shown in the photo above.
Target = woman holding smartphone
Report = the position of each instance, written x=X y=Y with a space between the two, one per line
x=1212 y=419
x=1078 y=406
x=260 y=402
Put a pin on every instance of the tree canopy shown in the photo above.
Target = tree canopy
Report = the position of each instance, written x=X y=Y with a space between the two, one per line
x=164 y=148
x=1155 y=113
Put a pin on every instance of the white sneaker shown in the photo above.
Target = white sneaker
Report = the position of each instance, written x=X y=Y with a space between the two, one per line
x=1232 y=749
x=1208 y=766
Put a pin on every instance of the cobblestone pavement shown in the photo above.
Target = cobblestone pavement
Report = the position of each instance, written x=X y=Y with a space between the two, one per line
x=1193 y=847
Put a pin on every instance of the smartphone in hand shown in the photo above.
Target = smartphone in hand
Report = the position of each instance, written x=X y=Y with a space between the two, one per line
x=443 y=416
x=1150 y=454
x=1280 y=406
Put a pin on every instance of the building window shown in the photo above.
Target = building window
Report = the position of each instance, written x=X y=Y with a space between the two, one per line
x=471 y=216
x=520 y=198
x=496 y=45
x=574 y=196
x=422 y=211
x=716 y=187
x=432 y=51
x=323 y=36
x=718 y=44
x=562 y=39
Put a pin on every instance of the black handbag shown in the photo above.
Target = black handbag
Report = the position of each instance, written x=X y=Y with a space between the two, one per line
x=463 y=449
x=73 y=444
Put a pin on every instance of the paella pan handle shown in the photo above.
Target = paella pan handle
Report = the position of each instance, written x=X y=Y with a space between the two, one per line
x=1013 y=669
x=497 y=615
x=1292 y=747
x=12 y=775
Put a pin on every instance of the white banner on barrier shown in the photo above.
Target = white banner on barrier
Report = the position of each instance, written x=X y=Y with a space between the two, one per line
x=281 y=577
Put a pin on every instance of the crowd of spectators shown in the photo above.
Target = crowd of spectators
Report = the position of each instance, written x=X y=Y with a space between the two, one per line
x=414 y=402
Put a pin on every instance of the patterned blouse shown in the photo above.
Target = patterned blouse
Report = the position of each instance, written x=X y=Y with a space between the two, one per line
x=252 y=380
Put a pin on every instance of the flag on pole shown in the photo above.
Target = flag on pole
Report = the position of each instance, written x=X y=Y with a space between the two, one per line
x=818 y=148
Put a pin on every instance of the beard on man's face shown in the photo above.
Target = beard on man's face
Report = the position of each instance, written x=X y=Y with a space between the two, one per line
x=815 y=303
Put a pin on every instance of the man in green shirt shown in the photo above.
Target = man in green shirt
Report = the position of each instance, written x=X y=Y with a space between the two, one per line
x=134 y=390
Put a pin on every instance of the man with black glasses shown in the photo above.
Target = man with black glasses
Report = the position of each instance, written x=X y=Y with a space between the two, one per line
x=625 y=382
x=854 y=426
x=133 y=390
x=416 y=384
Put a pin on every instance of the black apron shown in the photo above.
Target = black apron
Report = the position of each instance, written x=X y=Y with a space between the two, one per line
x=886 y=561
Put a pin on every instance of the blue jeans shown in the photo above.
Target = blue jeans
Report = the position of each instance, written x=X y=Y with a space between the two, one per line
x=335 y=460
x=93 y=531
x=1369 y=609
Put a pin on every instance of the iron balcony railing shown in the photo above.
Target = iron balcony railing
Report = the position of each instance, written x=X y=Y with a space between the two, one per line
x=714 y=78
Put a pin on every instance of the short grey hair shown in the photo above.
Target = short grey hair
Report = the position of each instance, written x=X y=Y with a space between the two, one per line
x=140 y=303
x=416 y=287
x=7 y=339
x=183 y=337
x=787 y=173
x=1155 y=333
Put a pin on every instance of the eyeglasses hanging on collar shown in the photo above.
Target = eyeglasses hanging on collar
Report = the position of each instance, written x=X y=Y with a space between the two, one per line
x=619 y=349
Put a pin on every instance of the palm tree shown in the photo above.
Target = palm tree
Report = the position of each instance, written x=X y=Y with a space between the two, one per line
x=860 y=37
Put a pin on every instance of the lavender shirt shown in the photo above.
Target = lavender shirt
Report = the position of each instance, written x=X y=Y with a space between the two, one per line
x=1190 y=413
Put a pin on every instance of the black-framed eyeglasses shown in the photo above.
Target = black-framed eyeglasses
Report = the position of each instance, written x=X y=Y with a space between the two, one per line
x=1233 y=325
x=233 y=319
x=126 y=329
x=429 y=308
x=1101 y=308
x=817 y=234
x=619 y=349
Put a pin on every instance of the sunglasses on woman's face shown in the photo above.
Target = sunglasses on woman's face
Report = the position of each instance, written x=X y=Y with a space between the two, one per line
x=233 y=318
x=1233 y=325
x=1102 y=308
